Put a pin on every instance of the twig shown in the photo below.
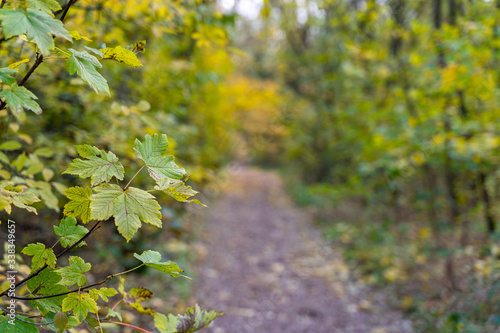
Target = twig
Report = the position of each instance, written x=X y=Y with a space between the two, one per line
x=3 y=3
x=109 y=277
x=27 y=322
x=134 y=177
x=63 y=16
x=29 y=277
x=22 y=298
x=129 y=325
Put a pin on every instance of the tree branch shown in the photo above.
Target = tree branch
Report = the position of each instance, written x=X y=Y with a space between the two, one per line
x=109 y=277
x=25 y=321
x=63 y=16
x=29 y=277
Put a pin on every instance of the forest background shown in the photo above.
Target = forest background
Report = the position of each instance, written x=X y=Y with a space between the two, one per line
x=382 y=115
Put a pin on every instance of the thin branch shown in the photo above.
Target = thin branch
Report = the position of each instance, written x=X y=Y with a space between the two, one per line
x=29 y=277
x=39 y=58
x=109 y=277
x=63 y=16
x=38 y=61
x=128 y=325
x=27 y=322
x=134 y=177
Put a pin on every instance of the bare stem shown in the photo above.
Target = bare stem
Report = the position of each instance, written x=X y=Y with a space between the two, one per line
x=134 y=177
x=129 y=325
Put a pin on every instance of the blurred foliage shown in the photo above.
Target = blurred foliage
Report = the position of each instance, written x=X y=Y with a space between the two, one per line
x=393 y=105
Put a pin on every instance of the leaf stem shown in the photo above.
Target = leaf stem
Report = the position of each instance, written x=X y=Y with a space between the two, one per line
x=62 y=51
x=134 y=177
x=129 y=325
x=130 y=270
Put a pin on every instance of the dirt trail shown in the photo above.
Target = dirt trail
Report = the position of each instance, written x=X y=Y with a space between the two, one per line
x=268 y=270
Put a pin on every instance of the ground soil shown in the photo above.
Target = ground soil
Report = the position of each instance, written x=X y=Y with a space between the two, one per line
x=266 y=267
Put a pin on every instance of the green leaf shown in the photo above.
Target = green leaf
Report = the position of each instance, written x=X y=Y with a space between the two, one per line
x=19 y=98
x=103 y=293
x=10 y=145
x=195 y=319
x=128 y=207
x=46 y=6
x=44 y=284
x=151 y=151
x=101 y=203
x=34 y=169
x=80 y=304
x=113 y=313
x=166 y=324
x=4 y=158
x=44 y=152
x=153 y=259
x=79 y=204
x=17 y=326
x=95 y=51
x=132 y=207
x=100 y=166
x=18 y=196
x=41 y=256
x=122 y=55
x=70 y=232
x=85 y=64
x=73 y=274
x=134 y=298
x=61 y=321
x=38 y=26
x=19 y=162
x=177 y=190
x=5 y=76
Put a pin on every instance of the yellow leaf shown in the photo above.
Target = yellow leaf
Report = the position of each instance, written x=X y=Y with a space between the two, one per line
x=76 y=35
x=122 y=55
x=16 y=64
x=139 y=47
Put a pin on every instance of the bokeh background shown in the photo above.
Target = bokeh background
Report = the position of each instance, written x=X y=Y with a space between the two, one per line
x=379 y=121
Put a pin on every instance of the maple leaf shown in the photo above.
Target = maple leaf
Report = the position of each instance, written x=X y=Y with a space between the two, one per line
x=128 y=207
x=85 y=64
x=5 y=76
x=79 y=204
x=99 y=165
x=70 y=232
x=19 y=98
x=195 y=319
x=80 y=304
x=151 y=151
x=73 y=274
x=46 y=6
x=37 y=25
x=41 y=256
x=153 y=259
x=122 y=55
x=177 y=190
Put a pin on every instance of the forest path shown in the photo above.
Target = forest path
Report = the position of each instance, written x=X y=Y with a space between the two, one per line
x=269 y=271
